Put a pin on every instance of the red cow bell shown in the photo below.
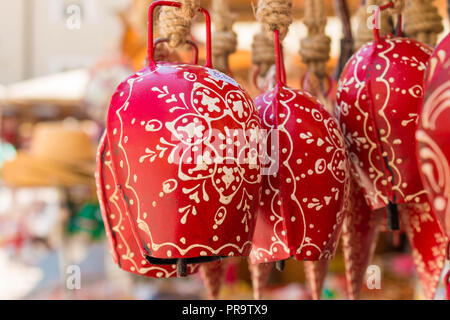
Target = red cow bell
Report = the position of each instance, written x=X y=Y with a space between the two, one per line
x=183 y=142
x=306 y=183
x=433 y=134
x=378 y=97
x=123 y=246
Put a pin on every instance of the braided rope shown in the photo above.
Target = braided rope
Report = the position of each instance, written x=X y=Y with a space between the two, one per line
x=315 y=48
x=275 y=15
x=175 y=23
x=225 y=39
x=397 y=8
x=423 y=21
x=363 y=34
x=263 y=52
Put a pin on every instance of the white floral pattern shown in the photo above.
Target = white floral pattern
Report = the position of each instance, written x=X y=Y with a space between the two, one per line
x=302 y=203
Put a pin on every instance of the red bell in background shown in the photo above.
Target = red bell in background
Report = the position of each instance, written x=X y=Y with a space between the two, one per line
x=433 y=134
x=359 y=237
x=379 y=95
x=123 y=246
x=378 y=98
x=427 y=243
x=306 y=178
x=184 y=151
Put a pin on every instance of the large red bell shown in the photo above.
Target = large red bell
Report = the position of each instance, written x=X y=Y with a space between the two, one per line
x=433 y=149
x=184 y=153
x=379 y=94
x=123 y=246
x=306 y=184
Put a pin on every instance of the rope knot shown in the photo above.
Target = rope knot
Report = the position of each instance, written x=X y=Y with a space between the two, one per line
x=225 y=39
x=275 y=15
x=423 y=21
x=363 y=34
x=315 y=52
x=263 y=52
x=397 y=8
x=225 y=42
x=315 y=48
x=175 y=23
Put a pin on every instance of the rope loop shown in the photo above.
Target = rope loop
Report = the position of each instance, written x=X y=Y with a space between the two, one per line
x=175 y=23
x=275 y=15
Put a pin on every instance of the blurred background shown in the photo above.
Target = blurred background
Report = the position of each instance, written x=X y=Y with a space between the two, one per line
x=60 y=62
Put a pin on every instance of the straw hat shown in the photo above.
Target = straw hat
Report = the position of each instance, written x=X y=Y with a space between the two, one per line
x=61 y=154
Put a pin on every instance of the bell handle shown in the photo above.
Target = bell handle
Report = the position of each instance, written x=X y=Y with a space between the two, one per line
x=150 y=51
x=376 y=32
x=280 y=73
x=189 y=42
x=280 y=70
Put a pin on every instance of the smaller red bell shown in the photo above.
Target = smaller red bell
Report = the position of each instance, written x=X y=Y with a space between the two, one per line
x=433 y=148
x=427 y=243
x=122 y=244
x=260 y=273
x=212 y=274
x=306 y=180
x=359 y=237
x=316 y=272
x=378 y=98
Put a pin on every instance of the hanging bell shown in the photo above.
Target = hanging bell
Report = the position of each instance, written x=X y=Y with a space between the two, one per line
x=432 y=134
x=427 y=243
x=433 y=150
x=359 y=237
x=260 y=274
x=316 y=273
x=183 y=141
x=305 y=176
x=379 y=94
